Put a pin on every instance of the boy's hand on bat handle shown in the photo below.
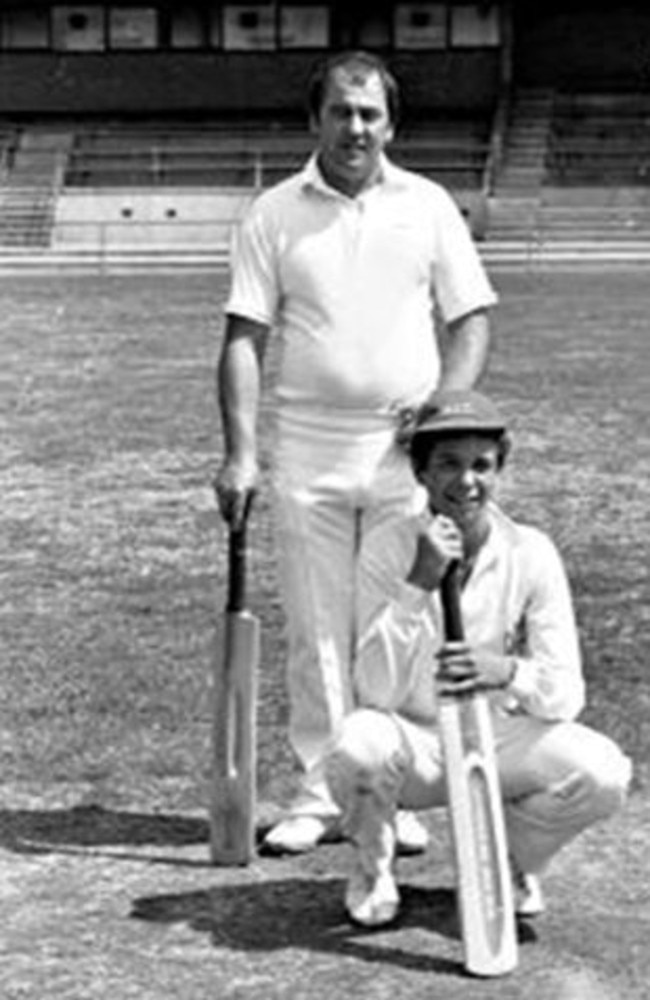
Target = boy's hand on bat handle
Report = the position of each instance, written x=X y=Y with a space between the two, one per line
x=461 y=671
x=235 y=485
x=437 y=548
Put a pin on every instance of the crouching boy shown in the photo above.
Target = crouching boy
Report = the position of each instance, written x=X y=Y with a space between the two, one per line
x=557 y=776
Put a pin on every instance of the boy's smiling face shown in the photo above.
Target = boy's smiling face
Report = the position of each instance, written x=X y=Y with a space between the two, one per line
x=460 y=477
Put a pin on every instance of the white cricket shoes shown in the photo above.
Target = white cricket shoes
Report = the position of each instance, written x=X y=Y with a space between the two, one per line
x=301 y=833
x=371 y=897
x=412 y=835
x=371 y=900
x=529 y=899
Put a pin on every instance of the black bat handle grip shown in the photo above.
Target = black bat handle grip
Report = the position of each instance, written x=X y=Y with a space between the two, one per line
x=450 y=598
x=237 y=548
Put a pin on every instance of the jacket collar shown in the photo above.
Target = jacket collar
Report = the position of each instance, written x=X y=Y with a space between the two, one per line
x=501 y=534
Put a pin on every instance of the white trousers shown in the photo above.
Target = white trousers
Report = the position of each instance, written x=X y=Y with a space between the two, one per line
x=557 y=778
x=337 y=476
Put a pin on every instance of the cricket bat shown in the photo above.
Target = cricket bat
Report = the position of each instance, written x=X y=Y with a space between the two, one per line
x=236 y=657
x=484 y=884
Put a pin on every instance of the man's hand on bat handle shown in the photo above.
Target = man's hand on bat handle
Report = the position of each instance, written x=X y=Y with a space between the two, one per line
x=235 y=485
x=461 y=671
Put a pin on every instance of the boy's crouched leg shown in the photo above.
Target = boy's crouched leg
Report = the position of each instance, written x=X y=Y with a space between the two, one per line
x=586 y=778
x=365 y=772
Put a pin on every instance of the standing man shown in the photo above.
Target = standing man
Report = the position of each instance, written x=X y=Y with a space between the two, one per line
x=347 y=261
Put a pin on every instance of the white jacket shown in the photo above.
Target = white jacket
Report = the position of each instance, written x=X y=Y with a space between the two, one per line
x=516 y=601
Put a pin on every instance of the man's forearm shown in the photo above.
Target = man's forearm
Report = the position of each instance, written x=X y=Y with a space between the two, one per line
x=238 y=391
x=466 y=356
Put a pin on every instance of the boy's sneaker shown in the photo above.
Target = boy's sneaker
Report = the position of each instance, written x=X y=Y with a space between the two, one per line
x=529 y=900
x=371 y=900
x=412 y=835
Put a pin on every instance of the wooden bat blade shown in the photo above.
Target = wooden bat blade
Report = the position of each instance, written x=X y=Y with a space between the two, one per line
x=484 y=882
x=232 y=806
x=479 y=835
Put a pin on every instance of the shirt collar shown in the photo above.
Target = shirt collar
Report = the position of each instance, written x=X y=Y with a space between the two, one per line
x=312 y=178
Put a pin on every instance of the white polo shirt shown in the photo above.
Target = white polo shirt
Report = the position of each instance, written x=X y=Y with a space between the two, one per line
x=350 y=285
x=516 y=602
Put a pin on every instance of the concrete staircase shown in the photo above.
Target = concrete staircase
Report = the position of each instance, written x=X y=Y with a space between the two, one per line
x=513 y=205
x=523 y=167
x=534 y=223
x=28 y=197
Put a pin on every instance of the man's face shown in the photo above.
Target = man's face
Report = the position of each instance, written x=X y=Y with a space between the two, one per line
x=353 y=128
x=460 y=477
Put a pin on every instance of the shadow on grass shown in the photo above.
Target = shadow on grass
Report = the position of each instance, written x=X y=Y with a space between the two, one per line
x=95 y=829
x=37 y=831
x=307 y=913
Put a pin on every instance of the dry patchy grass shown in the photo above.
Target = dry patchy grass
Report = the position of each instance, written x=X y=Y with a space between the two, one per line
x=112 y=552
x=111 y=561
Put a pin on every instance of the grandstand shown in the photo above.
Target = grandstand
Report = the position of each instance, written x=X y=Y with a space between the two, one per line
x=153 y=128
x=253 y=155
x=597 y=135
x=176 y=155
x=575 y=173
x=83 y=183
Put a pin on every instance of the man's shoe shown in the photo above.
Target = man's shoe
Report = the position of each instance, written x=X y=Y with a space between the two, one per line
x=412 y=835
x=299 y=834
x=529 y=900
x=371 y=900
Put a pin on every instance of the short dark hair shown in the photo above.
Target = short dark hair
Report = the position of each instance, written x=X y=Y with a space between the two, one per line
x=357 y=62
x=422 y=445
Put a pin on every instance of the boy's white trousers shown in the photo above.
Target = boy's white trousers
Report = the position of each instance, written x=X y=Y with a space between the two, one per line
x=338 y=474
x=557 y=778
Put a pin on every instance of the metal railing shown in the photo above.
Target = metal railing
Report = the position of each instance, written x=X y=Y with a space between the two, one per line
x=254 y=167
x=497 y=144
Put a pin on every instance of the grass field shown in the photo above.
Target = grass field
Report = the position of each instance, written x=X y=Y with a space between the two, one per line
x=111 y=560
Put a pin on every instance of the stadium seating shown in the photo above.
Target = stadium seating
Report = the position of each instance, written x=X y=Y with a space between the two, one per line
x=599 y=138
x=172 y=155
x=453 y=151
x=575 y=182
x=597 y=170
x=256 y=156
x=64 y=169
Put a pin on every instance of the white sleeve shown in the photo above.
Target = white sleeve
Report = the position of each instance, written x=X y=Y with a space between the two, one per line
x=459 y=280
x=548 y=681
x=254 y=289
x=395 y=630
